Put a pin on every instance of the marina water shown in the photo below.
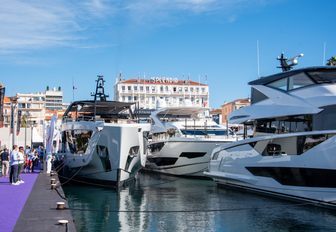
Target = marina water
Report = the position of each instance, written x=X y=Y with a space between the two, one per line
x=165 y=203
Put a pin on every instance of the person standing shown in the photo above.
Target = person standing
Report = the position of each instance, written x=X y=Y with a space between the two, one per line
x=35 y=159
x=21 y=158
x=5 y=162
x=14 y=166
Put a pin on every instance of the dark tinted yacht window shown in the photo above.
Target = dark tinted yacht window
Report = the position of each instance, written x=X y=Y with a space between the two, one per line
x=293 y=82
x=324 y=77
x=325 y=120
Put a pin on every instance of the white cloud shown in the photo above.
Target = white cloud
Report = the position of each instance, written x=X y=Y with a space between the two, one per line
x=26 y=25
x=169 y=11
x=37 y=24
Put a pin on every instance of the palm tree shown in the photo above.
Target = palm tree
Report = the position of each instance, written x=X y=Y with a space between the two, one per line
x=332 y=61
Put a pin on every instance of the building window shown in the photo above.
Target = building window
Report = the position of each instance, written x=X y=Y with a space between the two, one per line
x=185 y=89
x=180 y=89
x=147 y=89
x=191 y=89
x=153 y=99
x=129 y=98
x=141 y=88
x=129 y=88
x=203 y=90
x=197 y=89
x=161 y=88
x=135 y=98
x=153 y=89
x=167 y=88
x=135 y=88
x=174 y=89
x=123 y=88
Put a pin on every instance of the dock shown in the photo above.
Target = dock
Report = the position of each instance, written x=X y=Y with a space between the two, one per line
x=32 y=206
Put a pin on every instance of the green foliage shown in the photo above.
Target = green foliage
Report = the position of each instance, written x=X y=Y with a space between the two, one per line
x=332 y=61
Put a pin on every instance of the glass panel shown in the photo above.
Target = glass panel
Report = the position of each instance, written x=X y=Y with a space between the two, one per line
x=279 y=84
x=78 y=140
x=299 y=80
x=324 y=77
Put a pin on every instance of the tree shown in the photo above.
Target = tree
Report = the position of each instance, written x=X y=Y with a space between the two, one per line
x=332 y=61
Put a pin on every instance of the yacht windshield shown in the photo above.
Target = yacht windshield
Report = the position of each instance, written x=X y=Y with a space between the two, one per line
x=77 y=140
x=205 y=132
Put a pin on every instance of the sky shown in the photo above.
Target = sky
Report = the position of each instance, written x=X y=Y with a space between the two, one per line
x=58 y=42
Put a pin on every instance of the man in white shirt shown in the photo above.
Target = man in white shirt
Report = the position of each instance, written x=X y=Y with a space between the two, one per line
x=14 y=166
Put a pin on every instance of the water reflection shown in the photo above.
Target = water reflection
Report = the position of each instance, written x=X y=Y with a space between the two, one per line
x=164 y=203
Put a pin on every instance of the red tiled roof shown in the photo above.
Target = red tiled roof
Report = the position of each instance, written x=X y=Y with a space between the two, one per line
x=216 y=111
x=165 y=82
x=6 y=99
x=241 y=101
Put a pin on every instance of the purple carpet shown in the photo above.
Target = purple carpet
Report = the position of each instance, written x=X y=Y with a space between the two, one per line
x=13 y=198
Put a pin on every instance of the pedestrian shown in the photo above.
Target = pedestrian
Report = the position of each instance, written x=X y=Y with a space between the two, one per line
x=30 y=159
x=5 y=162
x=14 y=166
x=35 y=160
x=21 y=163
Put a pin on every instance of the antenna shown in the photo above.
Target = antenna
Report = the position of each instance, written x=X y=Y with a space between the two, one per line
x=100 y=89
x=324 y=53
x=73 y=89
x=284 y=65
x=258 y=63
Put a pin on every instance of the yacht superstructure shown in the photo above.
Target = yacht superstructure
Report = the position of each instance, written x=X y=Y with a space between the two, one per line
x=292 y=152
x=102 y=141
x=182 y=140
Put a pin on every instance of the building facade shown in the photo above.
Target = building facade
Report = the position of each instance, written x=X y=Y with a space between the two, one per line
x=171 y=91
x=53 y=98
x=229 y=107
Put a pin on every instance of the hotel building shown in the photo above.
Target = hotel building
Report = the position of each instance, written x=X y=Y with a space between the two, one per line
x=174 y=92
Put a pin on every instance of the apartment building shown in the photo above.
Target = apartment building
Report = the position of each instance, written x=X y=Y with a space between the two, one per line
x=54 y=98
x=229 y=107
x=174 y=92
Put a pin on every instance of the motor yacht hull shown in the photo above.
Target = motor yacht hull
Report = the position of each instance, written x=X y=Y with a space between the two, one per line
x=112 y=157
x=307 y=176
x=182 y=156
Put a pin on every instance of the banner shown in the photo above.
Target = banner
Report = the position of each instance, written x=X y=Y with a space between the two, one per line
x=12 y=119
x=2 y=96
x=50 y=135
x=18 y=125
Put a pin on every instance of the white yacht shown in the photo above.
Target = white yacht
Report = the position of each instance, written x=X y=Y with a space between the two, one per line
x=293 y=151
x=182 y=139
x=102 y=141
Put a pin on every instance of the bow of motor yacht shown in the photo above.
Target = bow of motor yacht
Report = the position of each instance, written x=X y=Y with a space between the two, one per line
x=292 y=151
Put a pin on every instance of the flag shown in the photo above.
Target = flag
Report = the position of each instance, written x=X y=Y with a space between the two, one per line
x=11 y=131
x=50 y=135
x=18 y=125
x=2 y=96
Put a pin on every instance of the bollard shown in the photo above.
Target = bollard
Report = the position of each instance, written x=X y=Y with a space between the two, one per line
x=52 y=181
x=64 y=222
x=53 y=186
x=60 y=205
x=52 y=173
